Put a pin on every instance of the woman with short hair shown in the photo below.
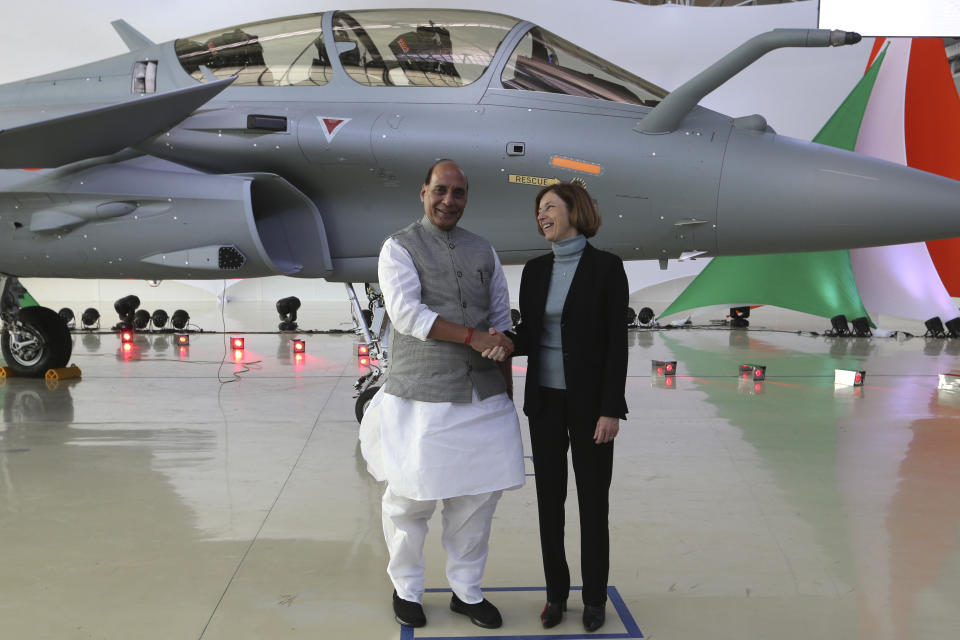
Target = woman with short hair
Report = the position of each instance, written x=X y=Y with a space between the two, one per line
x=573 y=331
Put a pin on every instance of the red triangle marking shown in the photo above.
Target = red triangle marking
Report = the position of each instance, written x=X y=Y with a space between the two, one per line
x=332 y=123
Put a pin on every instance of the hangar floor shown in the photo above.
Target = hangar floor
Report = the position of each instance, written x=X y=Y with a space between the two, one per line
x=167 y=495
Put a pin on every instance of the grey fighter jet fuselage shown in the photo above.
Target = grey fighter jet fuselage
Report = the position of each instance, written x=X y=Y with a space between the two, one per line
x=148 y=165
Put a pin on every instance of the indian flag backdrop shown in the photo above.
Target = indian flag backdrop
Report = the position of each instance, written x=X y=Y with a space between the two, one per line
x=874 y=120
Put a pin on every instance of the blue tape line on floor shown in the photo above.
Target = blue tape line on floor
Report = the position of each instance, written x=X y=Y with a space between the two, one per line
x=632 y=630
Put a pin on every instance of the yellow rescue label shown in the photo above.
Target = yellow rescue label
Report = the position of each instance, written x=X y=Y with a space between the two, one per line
x=536 y=181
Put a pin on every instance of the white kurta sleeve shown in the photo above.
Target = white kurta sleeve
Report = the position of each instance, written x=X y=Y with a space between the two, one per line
x=499 y=298
x=400 y=284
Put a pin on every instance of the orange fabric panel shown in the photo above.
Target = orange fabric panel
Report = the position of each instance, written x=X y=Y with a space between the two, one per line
x=932 y=130
x=877 y=45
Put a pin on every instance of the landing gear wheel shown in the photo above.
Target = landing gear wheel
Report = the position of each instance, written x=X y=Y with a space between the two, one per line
x=40 y=341
x=363 y=400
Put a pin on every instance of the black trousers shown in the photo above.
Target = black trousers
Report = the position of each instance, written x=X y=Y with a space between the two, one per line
x=551 y=432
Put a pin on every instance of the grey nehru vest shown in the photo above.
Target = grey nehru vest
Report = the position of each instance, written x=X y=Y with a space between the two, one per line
x=455 y=269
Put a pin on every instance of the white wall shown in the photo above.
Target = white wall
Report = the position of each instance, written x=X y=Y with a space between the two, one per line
x=796 y=89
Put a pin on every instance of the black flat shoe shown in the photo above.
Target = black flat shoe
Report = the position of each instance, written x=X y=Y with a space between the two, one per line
x=593 y=617
x=552 y=613
x=483 y=614
x=409 y=614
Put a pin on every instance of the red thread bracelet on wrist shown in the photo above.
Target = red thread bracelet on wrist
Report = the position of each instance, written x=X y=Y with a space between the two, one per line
x=469 y=336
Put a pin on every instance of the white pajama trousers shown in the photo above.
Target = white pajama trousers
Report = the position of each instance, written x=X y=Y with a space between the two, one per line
x=466 y=538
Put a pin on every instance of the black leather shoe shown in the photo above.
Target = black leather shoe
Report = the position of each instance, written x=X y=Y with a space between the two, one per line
x=593 y=617
x=483 y=614
x=552 y=613
x=409 y=614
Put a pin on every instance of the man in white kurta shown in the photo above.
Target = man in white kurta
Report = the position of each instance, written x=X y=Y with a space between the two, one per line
x=464 y=452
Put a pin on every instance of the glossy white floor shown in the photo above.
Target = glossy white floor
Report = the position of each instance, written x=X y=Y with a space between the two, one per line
x=168 y=496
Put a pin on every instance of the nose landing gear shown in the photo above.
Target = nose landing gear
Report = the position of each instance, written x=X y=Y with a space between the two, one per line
x=34 y=338
x=372 y=324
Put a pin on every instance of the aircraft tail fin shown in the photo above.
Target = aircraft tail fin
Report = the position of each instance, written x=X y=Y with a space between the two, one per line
x=59 y=141
x=130 y=36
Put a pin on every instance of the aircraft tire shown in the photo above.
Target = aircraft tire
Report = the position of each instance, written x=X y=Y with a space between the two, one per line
x=51 y=346
x=363 y=400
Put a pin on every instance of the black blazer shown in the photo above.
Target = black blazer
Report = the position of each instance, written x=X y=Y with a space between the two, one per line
x=593 y=328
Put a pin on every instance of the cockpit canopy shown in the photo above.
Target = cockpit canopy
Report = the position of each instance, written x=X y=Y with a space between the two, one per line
x=407 y=48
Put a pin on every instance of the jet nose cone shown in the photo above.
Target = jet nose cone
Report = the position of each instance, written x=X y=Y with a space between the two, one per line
x=778 y=195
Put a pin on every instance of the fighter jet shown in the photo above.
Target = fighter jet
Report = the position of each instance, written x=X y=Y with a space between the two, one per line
x=295 y=146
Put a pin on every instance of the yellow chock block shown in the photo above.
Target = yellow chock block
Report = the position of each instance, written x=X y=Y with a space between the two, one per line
x=6 y=372
x=63 y=373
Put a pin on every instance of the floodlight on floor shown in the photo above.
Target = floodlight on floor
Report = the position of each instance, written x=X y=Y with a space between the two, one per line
x=68 y=318
x=183 y=339
x=125 y=307
x=934 y=328
x=363 y=349
x=179 y=319
x=753 y=371
x=645 y=316
x=515 y=317
x=287 y=308
x=738 y=317
x=299 y=346
x=159 y=318
x=90 y=318
x=953 y=327
x=861 y=327
x=126 y=336
x=840 y=325
x=631 y=316
x=237 y=343
x=141 y=319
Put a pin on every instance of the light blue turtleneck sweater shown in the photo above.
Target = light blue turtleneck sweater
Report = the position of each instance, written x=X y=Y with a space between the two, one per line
x=566 y=257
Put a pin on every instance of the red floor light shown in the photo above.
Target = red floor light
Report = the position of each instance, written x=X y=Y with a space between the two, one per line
x=183 y=339
x=237 y=343
x=363 y=350
x=126 y=336
x=299 y=346
x=753 y=371
x=847 y=378
x=664 y=367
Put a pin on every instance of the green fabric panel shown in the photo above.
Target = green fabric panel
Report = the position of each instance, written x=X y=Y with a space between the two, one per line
x=843 y=127
x=819 y=283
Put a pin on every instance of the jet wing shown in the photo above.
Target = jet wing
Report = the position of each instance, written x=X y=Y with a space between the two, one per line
x=101 y=131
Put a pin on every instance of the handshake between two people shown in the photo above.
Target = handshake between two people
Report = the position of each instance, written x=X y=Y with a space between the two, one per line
x=493 y=344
